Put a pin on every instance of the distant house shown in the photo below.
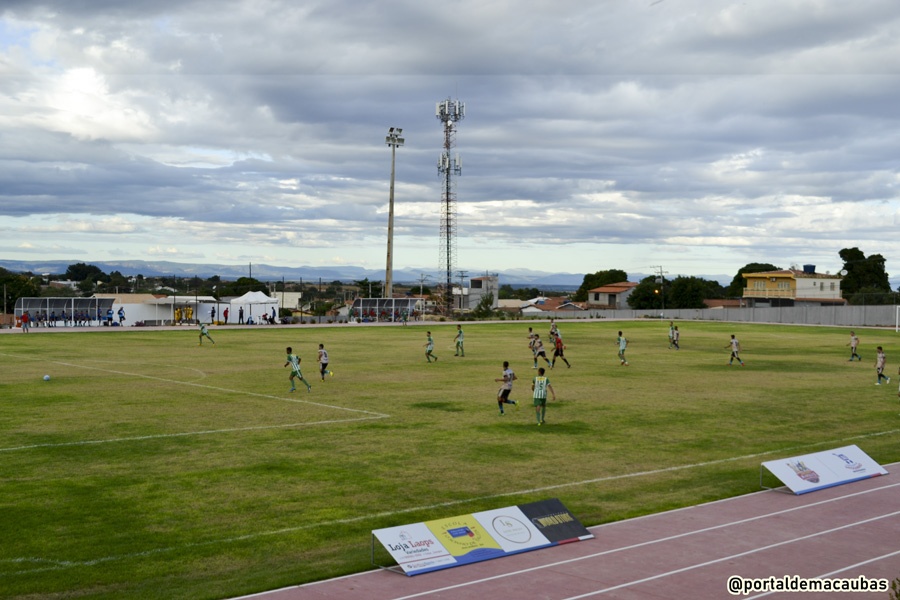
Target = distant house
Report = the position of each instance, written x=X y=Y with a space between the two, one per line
x=542 y=306
x=792 y=287
x=468 y=298
x=611 y=296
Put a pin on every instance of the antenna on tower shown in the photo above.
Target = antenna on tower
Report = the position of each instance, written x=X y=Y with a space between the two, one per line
x=449 y=112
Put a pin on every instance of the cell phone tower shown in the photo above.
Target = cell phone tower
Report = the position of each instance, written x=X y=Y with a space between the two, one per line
x=449 y=112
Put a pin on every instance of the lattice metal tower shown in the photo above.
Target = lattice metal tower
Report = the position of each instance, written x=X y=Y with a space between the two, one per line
x=449 y=112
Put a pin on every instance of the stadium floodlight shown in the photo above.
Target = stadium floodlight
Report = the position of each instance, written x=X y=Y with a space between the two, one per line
x=393 y=140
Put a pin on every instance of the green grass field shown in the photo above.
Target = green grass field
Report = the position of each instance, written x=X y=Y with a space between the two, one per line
x=151 y=467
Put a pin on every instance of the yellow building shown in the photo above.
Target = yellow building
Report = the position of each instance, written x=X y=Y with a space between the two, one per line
x=790 y=287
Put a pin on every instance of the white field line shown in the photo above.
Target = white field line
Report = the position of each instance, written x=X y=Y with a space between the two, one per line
x=336 y=522
x=370 y=415
x=188 y=433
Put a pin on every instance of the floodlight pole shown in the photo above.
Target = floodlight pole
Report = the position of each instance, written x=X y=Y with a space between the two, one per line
x=393 y=140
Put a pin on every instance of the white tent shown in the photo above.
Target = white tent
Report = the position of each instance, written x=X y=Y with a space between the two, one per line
x=248 y=300
x=254 y=298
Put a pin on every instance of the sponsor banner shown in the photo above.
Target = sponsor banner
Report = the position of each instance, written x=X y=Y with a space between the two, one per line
x=512 y=529
x=465 y=539
x=811 y=472
x=555 y=521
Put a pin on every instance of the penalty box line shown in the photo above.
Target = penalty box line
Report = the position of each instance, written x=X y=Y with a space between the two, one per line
x=188 y=434
x=369 y=415
x=214 y=388
x=59 y=564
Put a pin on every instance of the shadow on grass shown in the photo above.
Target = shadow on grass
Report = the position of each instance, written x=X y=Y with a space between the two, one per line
x=558 y=427
x=444 y=406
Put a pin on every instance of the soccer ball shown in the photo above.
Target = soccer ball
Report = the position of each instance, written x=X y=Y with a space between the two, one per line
x=46 y=378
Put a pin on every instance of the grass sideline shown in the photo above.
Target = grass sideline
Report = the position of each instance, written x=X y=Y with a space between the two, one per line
x=151 y=467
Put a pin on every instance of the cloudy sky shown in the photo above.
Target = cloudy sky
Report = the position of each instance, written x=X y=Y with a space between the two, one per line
x=695 y=135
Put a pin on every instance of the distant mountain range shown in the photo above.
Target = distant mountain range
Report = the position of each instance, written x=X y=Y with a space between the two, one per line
x=265 y=272
x=408 y=276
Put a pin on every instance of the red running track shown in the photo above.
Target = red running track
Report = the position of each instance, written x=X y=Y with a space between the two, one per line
x=841 y=532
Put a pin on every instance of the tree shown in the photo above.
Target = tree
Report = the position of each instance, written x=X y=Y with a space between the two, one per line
x=862 y=273
x=736 y=288
x=595 y=280
x=485 y=307
x=690 y=292
x=15 y=286
x=119 y=281
x=82 y=272
x=649 y=295
x=872 y=295
x=369 y=289
x=241 y=286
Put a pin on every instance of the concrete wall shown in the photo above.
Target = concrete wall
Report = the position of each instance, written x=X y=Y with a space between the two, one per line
x=843 y=316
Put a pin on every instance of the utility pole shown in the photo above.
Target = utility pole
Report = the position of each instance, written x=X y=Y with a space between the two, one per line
x=661 y=280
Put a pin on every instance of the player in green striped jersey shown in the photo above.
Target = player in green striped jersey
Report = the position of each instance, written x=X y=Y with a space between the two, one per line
x=294 y=361
x=540 y=385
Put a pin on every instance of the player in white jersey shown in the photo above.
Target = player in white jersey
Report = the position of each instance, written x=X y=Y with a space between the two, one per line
x=503 y=393
x=323 y=362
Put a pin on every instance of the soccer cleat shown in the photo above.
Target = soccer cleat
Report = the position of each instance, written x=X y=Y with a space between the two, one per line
x=331 y=373
x=293 y=390
x=516 y=402
x=502 y=413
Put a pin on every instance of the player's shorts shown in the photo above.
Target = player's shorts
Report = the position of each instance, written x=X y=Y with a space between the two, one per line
x=324 y=367
x=541 y=353
x=503 y=394
x=559 y=353
x=540 y=402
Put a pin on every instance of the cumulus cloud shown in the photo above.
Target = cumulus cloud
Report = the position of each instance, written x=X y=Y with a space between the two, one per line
x=710 y=135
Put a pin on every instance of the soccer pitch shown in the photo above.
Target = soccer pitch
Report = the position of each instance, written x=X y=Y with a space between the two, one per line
x=151 y=467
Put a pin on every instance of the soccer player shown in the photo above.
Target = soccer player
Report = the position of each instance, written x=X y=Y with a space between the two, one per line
x=429 y=347
x=623 y=343
x=539 y=386
x=503 y=393
x=204 y=332
x=854 y=344
x=735 y=346
x=531 y=335
x=558 y=349
x=880 y=361
x=294 y=361
x=554 y=330
x=539 y=351
x=676 y=335
x=460 y=351
x=671 y=334
x=323 y=362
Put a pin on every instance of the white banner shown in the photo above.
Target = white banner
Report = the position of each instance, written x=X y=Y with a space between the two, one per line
x=465 y=539
x=820 y=470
